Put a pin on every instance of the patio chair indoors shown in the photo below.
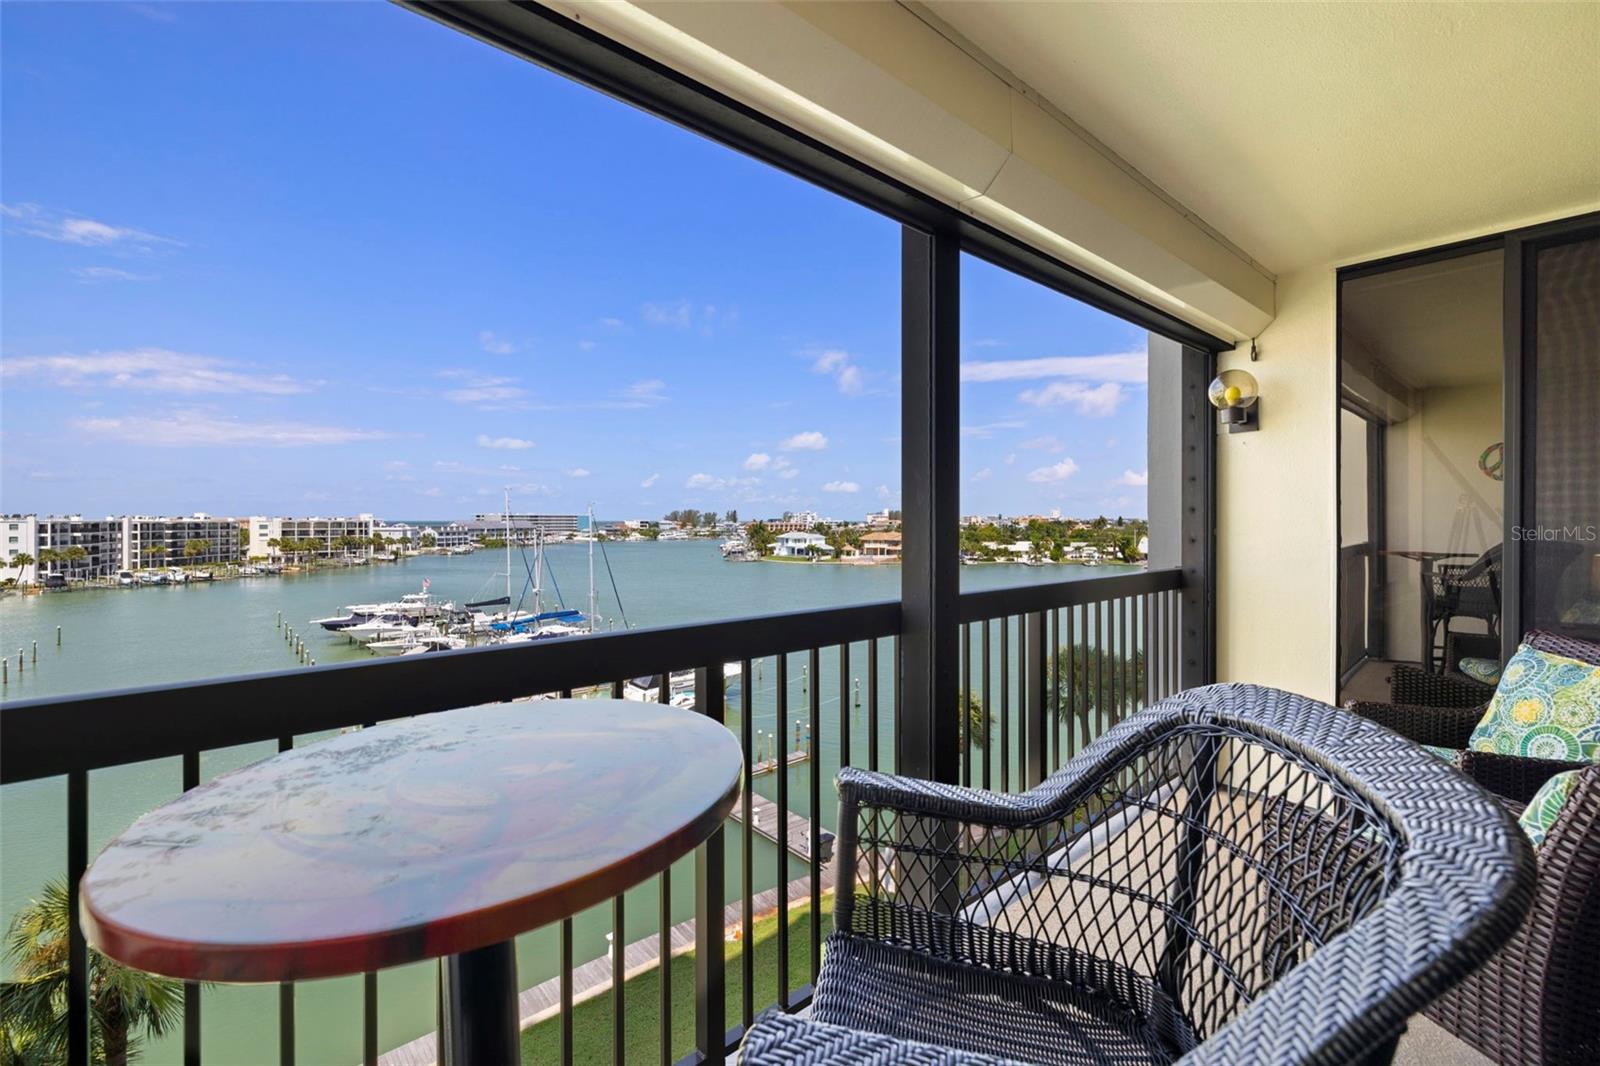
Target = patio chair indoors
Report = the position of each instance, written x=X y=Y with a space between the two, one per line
x=1236 y=875
x=1534 y=1001
x=1464 y=590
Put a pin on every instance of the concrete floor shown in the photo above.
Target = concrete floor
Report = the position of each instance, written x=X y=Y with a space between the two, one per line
x=1425 y=1044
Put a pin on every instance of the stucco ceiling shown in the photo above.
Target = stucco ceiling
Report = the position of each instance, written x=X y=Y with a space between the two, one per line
x=1315 y=133
x=1434 y=325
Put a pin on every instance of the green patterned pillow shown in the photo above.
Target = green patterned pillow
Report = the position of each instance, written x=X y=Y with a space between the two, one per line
x=1547 y=707
x=1485 y=670
x=1540 y=815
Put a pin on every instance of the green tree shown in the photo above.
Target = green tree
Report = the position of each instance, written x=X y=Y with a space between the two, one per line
x=125 y=1006
x=761 y=538
x=732 y=518
x=429 y=540
x=73 y=555
x=196 y=547
x=651 y=532
x=1092 y=683
x=22 y=560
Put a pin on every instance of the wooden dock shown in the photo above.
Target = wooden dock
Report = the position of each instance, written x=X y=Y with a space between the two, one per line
x=594 y=978
x=767 y=766
x=764 y=820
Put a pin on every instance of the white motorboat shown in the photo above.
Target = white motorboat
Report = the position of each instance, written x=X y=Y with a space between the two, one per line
x=416 y=644
x=125 y=577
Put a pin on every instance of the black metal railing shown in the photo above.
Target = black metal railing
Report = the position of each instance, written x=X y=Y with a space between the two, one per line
x=1045 y=669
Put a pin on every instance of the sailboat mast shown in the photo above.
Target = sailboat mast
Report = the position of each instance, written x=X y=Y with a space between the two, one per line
x=592 y=602
x=508 y=551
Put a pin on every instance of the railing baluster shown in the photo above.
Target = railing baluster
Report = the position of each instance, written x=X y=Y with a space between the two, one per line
x=1005 y=703
x=78 y=1042
x=191 y=989
x=1053 y=706
x=966 y=704
x=844 y=705
x=1099 y=667
x=665 y=966
x=872 y=705
x=814 y=741
x=710 y=881
x=780 y=829
x=619 y=973
x=747 y=875
x=986 y=704
x=285 y=989
x=369 y=1017
x=1072 y=688
x=565 y=950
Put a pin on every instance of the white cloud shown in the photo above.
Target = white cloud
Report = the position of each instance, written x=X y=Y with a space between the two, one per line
x=150 y=370
x=430 y=491
x=490 y=342
x=989 y=429
x=670 y=313
x=1096 y=402
x=1059 y=472
x=704 y=481
x=1128 y=368
x=839 y=365
x=1134 y=478
x=986 y=342
x=504 y=444
x=644 y=393
x=649 y=481
x=185 y=428
x=885 y=492
x=758 y=461
x=586 y=346
x=615 y=325
x=36 y=221
x=578 y=471
x=92 y=274
x=485 y=392
x=1046 y=443
x=841 y=486
x=810 y=441
x=1011 y=460
x=788 y=472
x=983 y=475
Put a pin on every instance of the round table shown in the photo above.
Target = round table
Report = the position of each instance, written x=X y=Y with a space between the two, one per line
x=442 y=835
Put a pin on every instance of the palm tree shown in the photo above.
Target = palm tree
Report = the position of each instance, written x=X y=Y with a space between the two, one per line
x=154 y=553
x=74 y=555
x=196 y=547
x=125 y=1006
x=21 y=560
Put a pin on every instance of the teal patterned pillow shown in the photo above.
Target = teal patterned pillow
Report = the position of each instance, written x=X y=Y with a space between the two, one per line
x=1485 y=670
x=1447 y=754
x=1546 y=707
x=1539 y=817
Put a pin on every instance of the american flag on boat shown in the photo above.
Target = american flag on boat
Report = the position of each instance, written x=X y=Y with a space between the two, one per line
x=426 y=584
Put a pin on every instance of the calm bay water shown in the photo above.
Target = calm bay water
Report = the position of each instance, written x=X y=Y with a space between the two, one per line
x=161 y=635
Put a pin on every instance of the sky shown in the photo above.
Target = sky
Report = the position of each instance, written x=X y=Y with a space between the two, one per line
x=334 y=258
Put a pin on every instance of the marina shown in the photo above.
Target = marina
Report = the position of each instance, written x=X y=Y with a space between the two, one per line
x=120 y=637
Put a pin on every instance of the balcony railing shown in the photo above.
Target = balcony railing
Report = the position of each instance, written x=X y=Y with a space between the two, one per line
x=1044 y=670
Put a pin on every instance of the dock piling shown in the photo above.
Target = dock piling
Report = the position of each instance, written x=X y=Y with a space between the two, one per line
x=36 y=652
x=5 y=671
x=58 y=636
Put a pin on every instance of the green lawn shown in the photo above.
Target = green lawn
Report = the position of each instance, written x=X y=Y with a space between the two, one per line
x=591 y=1021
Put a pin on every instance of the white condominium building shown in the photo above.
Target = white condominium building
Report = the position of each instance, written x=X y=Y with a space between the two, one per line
x=267 y=533
x=19 y=535
x=154 y=540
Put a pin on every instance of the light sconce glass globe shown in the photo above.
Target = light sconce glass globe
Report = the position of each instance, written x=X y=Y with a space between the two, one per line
x=1233 y=393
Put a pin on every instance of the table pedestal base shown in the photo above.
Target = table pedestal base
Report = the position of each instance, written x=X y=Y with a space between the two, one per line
x=480 y=1009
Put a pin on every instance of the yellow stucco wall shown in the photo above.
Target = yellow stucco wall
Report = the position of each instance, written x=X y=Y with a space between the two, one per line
x=1277 y=528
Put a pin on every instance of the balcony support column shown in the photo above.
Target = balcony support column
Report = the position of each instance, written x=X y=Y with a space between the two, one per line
x=926 y=736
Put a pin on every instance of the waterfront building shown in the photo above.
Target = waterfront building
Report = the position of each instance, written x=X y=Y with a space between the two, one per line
x=139 y=535
x=20 y=536
x=880 y=519
x=881 y=545
x=451 y=535
x=327 y=532
x=799 y=544
x=100 y=539
x=524 y=525
x=400 y=532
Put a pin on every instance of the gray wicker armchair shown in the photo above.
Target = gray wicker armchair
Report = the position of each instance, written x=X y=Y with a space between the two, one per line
x=1236 y=875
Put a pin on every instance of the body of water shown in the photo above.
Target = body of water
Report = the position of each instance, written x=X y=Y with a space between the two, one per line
x=119 y=638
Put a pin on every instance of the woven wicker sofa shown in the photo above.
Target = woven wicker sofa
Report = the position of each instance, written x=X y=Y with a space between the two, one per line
x=1236 y=875
x=1535 y=1002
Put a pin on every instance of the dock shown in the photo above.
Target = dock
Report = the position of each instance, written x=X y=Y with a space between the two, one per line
x=767 y=766
x=797 y=837
x=594 y=978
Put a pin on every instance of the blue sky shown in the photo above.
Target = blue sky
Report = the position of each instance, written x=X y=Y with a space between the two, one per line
x=333 y=258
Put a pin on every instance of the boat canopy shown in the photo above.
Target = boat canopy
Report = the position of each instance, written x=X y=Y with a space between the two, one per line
x=501 y=601
x=519 y=624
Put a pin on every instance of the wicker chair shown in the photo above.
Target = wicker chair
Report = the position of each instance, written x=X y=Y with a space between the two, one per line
x=1236 y=875
x=1466 y=590
x=1534 y=1003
